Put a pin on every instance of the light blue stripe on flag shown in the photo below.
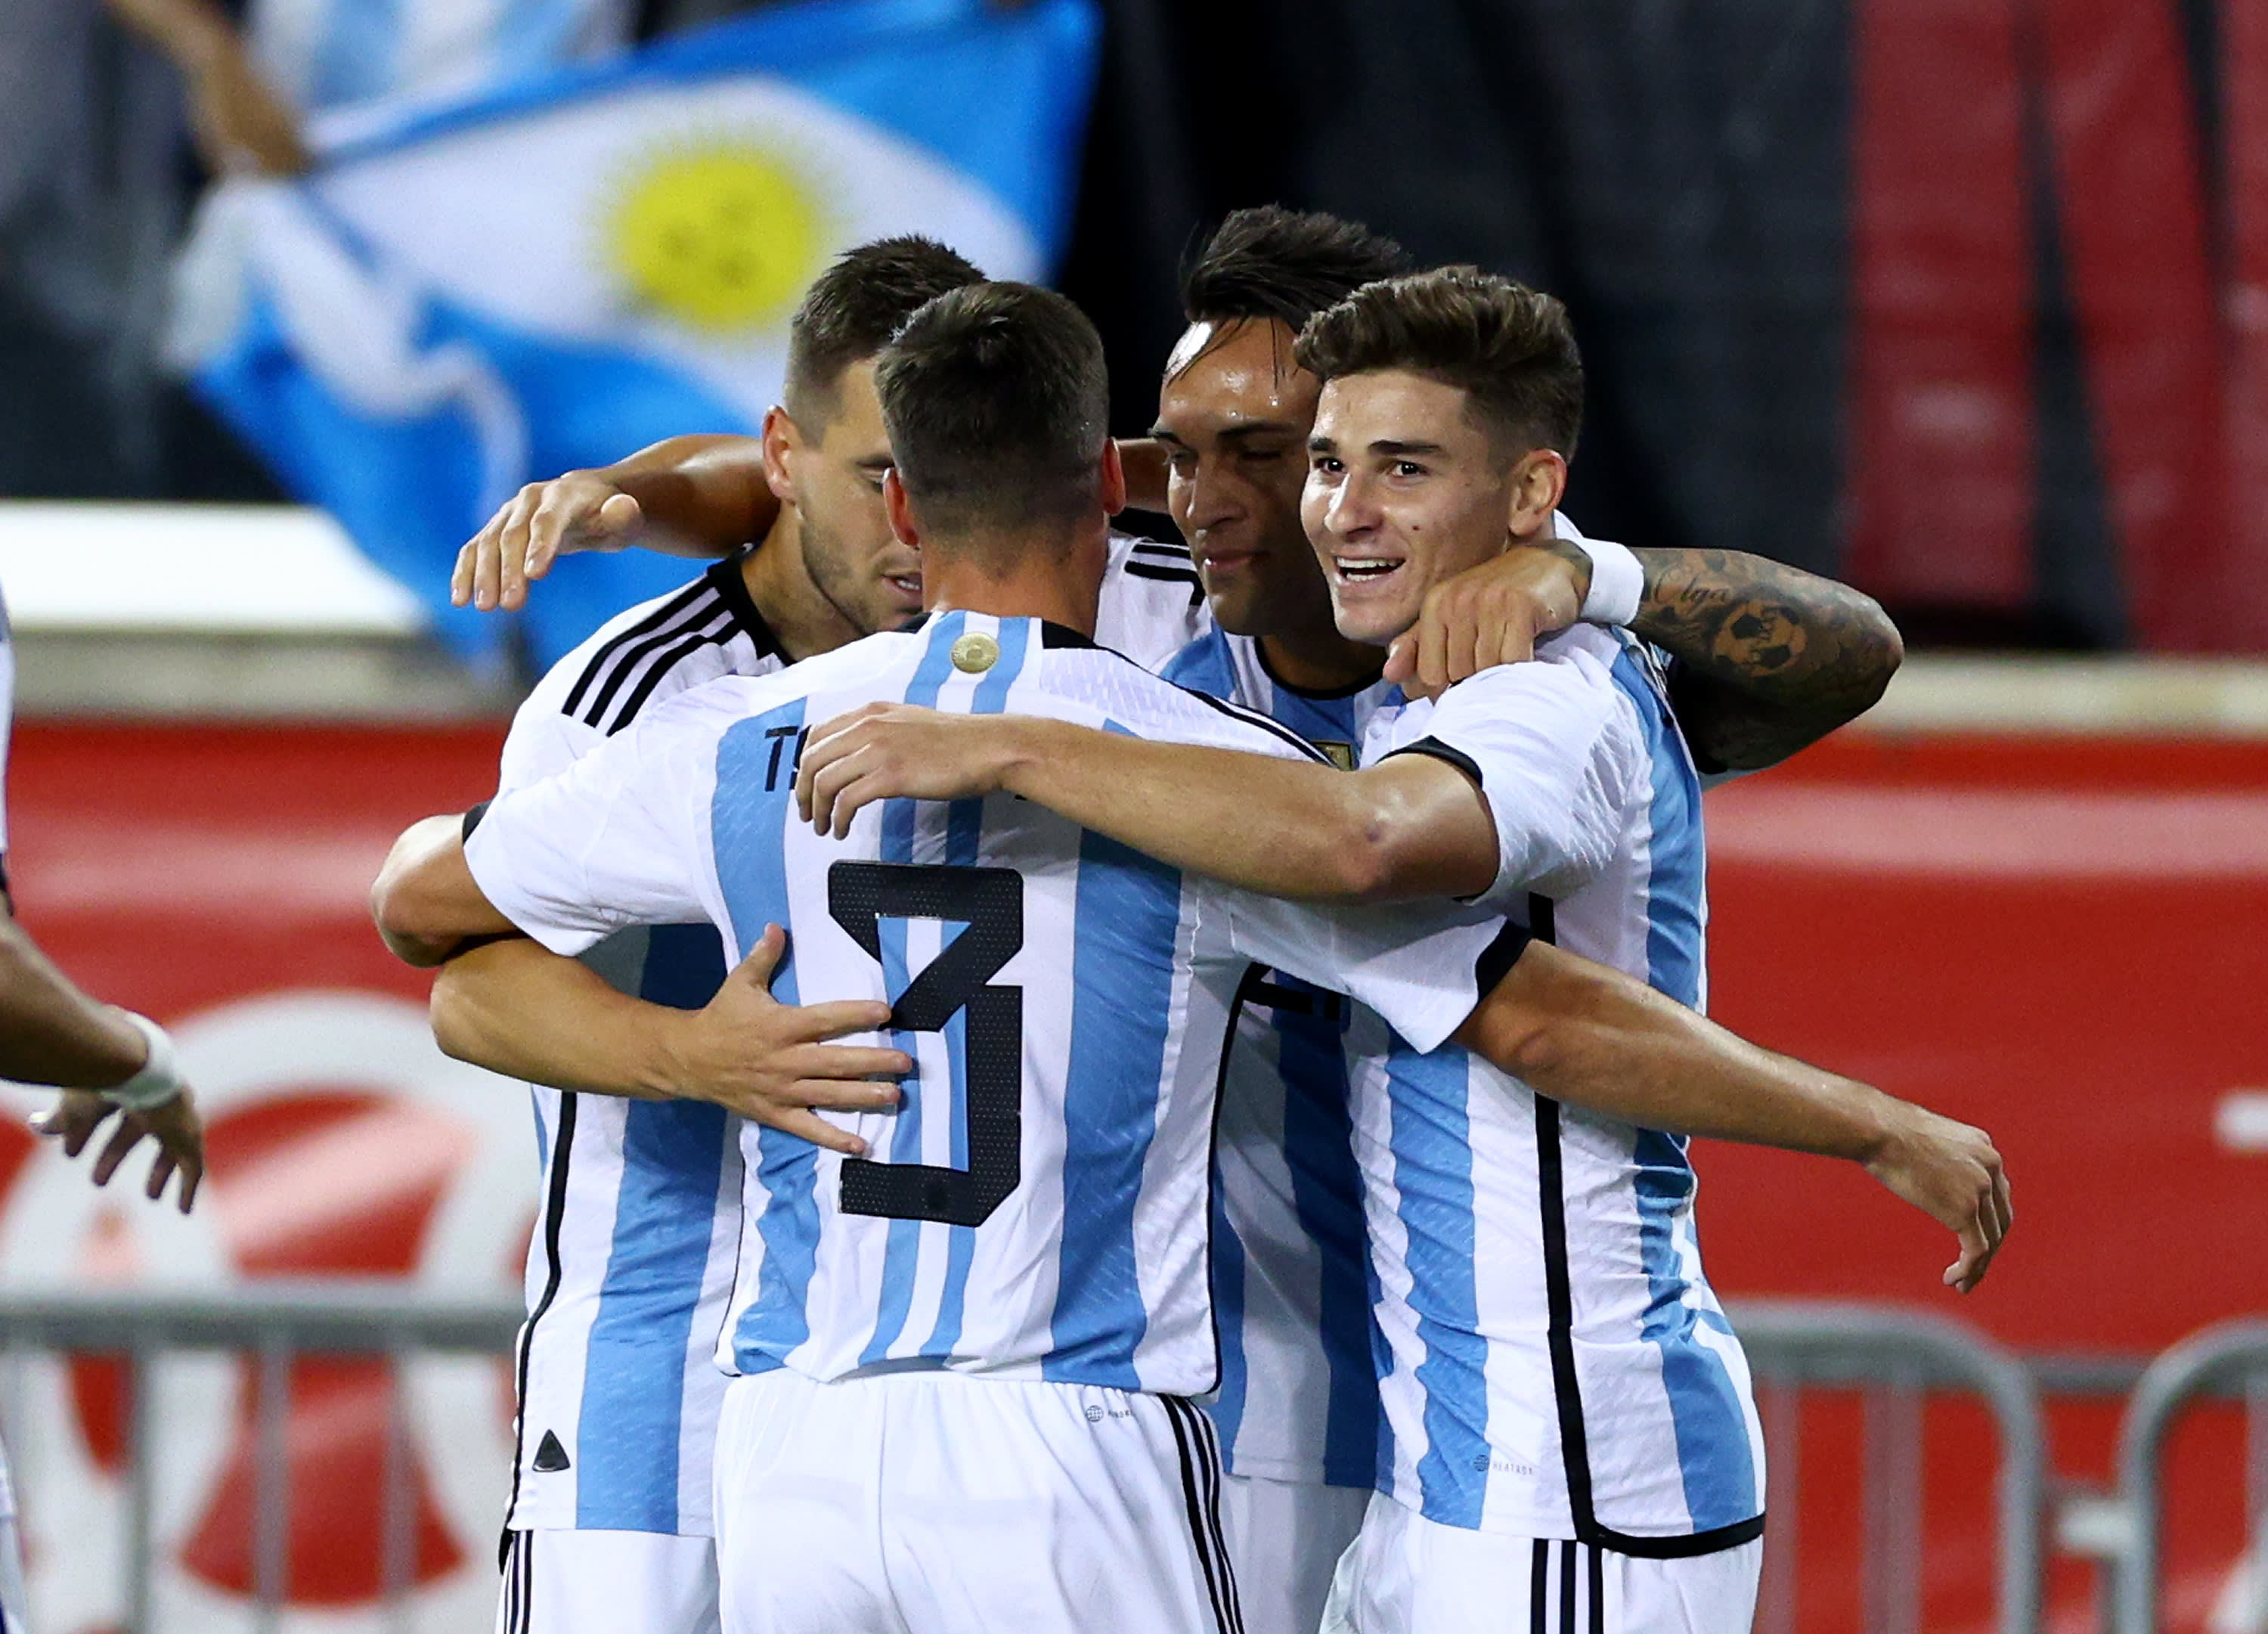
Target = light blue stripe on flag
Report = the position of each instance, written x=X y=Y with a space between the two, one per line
x=1129 y=916
x=360 y=53
x=747 y=824
x=1431 y=1136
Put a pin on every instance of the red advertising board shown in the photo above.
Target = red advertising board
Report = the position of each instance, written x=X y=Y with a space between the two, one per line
x=2054 y=939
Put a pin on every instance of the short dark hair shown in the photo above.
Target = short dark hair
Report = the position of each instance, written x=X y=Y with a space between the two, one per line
x=1510 y=348
x=1268 y=261
x=852 y=309
x=997 y=404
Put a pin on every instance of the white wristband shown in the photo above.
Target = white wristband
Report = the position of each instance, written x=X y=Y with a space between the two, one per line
x=158 y=1081
x=1617 y=583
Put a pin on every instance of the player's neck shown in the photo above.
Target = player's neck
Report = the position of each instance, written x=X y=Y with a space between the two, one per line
x=1062 y=585
x=1321 y=661
x=779 y=582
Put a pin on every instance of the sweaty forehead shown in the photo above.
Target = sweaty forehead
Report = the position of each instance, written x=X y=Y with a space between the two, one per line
x=856 y=421
x=1239 y=371
x=1391 y=406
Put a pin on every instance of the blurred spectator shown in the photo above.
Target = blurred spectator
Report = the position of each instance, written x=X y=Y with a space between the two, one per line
x=92 y=192
x=251 y=85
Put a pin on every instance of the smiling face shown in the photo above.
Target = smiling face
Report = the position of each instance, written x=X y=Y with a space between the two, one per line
x=1234 y=414
x=835 y=482
x=1406 y=489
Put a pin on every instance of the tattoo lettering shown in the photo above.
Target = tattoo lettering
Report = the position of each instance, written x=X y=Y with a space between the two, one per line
x=1770 y=658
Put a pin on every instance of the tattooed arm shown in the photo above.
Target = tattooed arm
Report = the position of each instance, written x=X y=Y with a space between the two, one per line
x=1769 y=658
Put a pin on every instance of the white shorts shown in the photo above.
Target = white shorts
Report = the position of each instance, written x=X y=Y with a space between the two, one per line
x=1285 y=1539
x=557 y=1581
x=1409 y=1575
x=929 y=1502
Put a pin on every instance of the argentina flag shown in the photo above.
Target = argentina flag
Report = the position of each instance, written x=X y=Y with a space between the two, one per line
x=460 y=299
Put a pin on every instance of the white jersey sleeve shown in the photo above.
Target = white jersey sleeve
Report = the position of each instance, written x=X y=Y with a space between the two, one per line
x=1556 y=749
x=1419 y=973
x=1152 y=601
x=612 y=841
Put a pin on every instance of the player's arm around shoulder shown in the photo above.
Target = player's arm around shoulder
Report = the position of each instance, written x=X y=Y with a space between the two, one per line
x=425 y=901
x=702 y=495
x=565 y=860
x=517 y=1008
x=1768 y=659
x=1257 y=817
x=1581 y=1032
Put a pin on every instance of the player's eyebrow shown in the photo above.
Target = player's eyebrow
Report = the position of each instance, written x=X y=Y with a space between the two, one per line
x=877 y=462
x=1241 y=430
x=1396 y=450
x=1319 y=444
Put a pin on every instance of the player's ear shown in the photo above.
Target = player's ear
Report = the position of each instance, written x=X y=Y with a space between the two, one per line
x=900 y=510
x=1114 y=478
x=783 y=440
x=1539 y=479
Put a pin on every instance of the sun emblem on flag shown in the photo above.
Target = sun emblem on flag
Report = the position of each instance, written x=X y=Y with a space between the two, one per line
x=721 y=236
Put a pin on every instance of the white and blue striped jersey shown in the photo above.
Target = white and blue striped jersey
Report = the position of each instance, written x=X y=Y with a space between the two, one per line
x=329 y=54
x=1298 y=1389
x=630 y=1269
x=1555 y=1364
x=1037 y=1208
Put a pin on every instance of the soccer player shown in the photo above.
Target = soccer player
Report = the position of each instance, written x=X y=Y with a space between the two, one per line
x=963 y=1372
x=107 y=1060
x=1570 y=1421
x=632 y=1262
x=1765 y=658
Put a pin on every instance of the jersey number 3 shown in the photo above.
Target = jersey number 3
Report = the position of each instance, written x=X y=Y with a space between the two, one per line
x=990 y=902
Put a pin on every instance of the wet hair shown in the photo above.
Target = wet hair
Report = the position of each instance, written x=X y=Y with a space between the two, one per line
x=1509 y=348
x=1288 y=265
x=997 y=405
x=852 y=309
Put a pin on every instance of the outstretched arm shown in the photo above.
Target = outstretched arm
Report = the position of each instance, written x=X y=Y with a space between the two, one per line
x=242 y=123
x=52 y=1033
x=1769 y=658
x=702 y=495
x=1591 y=1037
x=1410 y=827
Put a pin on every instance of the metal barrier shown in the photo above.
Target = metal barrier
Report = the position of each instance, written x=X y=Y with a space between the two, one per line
x=1896 y=1358
x=276 y=1322
x=2235 y=1352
